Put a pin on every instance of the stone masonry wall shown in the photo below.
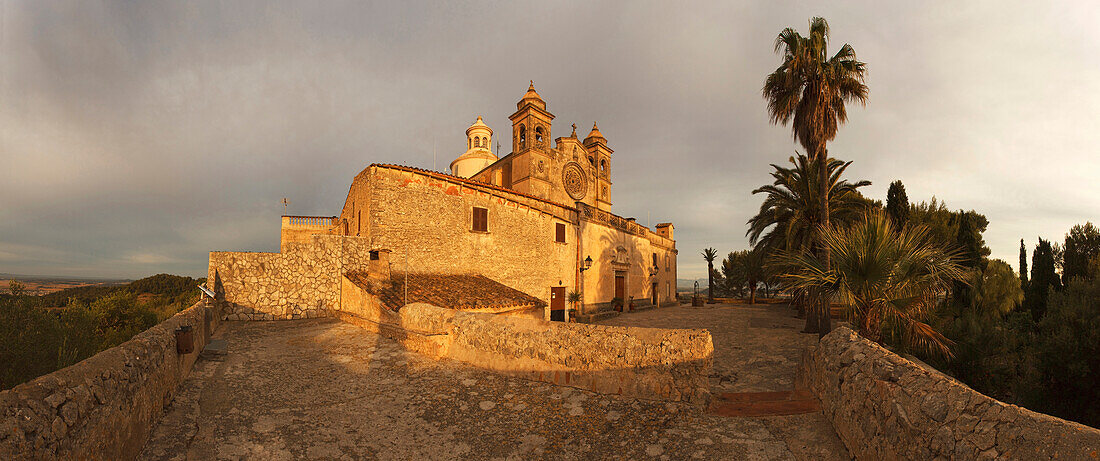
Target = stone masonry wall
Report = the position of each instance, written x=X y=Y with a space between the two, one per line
x=430 y=220
x=646 y=363
x=301 y=282
x=886 y=407
x=105 y=406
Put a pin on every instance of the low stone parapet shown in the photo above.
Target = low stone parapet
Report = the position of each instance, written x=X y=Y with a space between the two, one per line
x=886 y=407
x=646 y=363
x=105 y=406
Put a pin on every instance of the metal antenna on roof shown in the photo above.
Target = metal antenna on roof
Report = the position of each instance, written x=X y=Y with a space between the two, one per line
x=285 y=203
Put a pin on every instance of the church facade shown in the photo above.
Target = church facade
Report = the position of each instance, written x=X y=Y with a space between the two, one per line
x=537 y=220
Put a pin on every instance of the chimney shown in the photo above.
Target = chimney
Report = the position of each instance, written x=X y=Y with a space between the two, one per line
x=665 y=230
x=378 y=270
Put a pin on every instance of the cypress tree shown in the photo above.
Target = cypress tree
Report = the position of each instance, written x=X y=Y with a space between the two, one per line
x=1023 y=265
x=897 y=204
x=1043 y=278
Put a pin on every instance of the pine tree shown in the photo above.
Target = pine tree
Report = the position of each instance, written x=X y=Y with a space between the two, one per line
x=897 y=204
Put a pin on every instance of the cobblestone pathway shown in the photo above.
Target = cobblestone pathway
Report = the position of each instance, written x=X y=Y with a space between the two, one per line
x=322 y=389
x=756 y=349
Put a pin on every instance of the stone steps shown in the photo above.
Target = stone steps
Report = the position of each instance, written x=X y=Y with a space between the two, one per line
x=597 y=316
x=755 y=404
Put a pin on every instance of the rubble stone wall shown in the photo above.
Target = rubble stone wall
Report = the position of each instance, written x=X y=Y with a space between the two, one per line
x=646 y=363
x=105 y=406
x=886 y=407
x=301 y=282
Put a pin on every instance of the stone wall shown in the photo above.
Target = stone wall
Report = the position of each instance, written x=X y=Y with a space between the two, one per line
x=301 y=282
x=429 y=220
x=886 y=407
x=105 y=406
x=646 y=363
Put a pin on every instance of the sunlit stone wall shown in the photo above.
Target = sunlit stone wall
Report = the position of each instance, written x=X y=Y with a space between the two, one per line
x=886 y=407
x=646 y=363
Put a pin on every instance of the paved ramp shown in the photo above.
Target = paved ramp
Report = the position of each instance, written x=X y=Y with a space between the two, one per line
x=757 y=350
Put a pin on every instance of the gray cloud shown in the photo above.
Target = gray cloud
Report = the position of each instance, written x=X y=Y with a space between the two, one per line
x=138 y=136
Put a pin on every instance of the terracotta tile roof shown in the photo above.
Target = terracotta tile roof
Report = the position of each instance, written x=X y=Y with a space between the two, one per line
x=459 y=292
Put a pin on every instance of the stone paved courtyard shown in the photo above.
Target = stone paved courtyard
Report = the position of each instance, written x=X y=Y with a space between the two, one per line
x=322 y=389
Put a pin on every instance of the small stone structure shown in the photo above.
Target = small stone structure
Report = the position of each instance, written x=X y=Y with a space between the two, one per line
x=299 y=229
x=105 y=406
x=886 y=407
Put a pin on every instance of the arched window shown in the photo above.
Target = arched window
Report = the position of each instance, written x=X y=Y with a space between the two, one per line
x=538 y=134
x=485 y=142
x=592 y=160
x=603 y=166
x=522 y=135
x=477 y=142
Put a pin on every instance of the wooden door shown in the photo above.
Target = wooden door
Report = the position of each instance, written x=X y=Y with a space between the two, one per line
x=620 y=287
x=654 y=294
x=557 y=304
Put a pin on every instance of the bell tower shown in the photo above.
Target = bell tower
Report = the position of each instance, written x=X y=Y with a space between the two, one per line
x=531 y=145
x=596 y=145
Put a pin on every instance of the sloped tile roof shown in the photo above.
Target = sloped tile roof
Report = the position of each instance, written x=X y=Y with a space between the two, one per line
x=459 y=292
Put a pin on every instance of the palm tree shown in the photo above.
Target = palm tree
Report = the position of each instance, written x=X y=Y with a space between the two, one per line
x=709 y=254
x=574 y=298
x=812 y=88
x=890 y=279
x=789 y=214
x=792 y=204
x=750 y=268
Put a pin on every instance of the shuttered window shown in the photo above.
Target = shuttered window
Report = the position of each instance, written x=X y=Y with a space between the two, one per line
x=559 y=234
x=481 y=219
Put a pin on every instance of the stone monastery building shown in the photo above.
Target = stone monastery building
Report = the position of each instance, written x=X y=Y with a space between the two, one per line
x=537 y=220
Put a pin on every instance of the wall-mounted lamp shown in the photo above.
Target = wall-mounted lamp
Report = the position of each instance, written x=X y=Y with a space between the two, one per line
x=587 y=263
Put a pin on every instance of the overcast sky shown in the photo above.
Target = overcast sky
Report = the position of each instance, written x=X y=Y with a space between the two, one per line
x=137 y=136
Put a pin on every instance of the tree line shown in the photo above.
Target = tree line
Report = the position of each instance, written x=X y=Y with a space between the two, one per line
x=41 y=334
